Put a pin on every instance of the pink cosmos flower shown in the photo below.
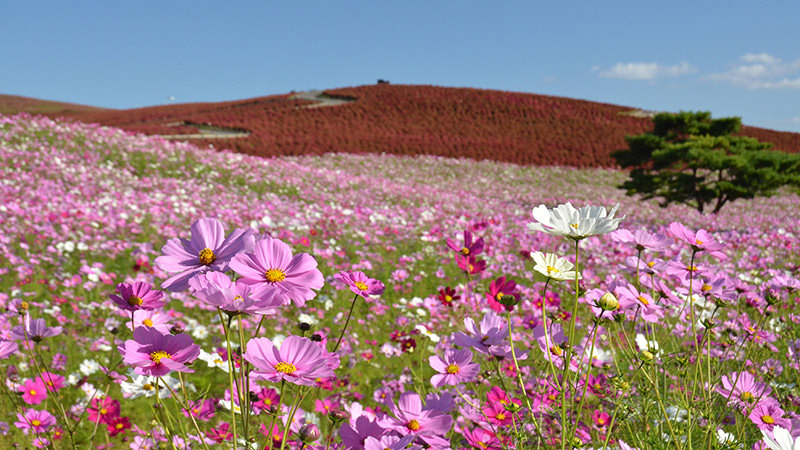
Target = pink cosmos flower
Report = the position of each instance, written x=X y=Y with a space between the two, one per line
x=136 y=296
x=360 y=284
x=208 y=249
x=33 y=391
x=631 y=298
x=486 y=337
x=767 y=416
x=746 y=390
x=103 y=410
x=497 y=289
x=151 y=319
x=34 y=329
x=7 y=348
x=456 y=368
x=641 y=239
x=217 y=289
x=272 y=271
x=470 y=247
x=470 y=265
x=38 y=421
x=701 y=241
x=52 y=381
x=482 y=439
x=298 y=360
x=410 y=417
x=154 y=353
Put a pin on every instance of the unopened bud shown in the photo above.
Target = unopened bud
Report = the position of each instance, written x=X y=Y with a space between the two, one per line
x=508 y=300
x=608 y=302
x=337 y=416
x=253 y=396
x=304 y=326
x=512 y=407
x=772 y=297
x=316 y=338
x=646 y=356
x=708 y=324
x=309 y=433
x=176 y=329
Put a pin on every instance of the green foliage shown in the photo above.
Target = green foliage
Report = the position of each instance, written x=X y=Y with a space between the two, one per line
x=692 y=159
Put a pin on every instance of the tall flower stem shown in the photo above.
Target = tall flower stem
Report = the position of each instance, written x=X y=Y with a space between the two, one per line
x=519 y=375
x=346 y=322
x=244 y=399
x=230 y=378
x=568 y=358
x=187 y=406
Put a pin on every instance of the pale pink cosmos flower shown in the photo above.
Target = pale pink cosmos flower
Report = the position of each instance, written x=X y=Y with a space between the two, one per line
x=701 y=241
x=154 y=353
x=217 y=289
x=7 y=348
x=455 y=368
x=360 y=284
x=207 y=250
x=409 y=416
x=272 y=271
x=298 y=360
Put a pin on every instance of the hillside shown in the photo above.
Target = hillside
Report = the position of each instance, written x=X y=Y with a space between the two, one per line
x=521 y=128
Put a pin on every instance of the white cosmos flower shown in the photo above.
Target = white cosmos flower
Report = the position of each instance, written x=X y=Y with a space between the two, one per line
x=782 y=439
x=565 y=220
x=553 y=266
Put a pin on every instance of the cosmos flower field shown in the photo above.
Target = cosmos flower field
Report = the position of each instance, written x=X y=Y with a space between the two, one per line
x=371 y=302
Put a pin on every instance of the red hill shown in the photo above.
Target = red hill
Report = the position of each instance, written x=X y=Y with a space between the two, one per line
x=407 y=120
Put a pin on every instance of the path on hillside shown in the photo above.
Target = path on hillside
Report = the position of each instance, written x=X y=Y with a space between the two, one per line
x=321 y=98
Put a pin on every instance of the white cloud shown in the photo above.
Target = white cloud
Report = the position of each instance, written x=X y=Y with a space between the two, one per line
x=762 y=71
x=646 y=71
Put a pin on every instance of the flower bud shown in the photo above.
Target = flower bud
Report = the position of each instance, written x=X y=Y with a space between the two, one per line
x=509 y=301
x=176 y=329
x=316 y=337
x=309 y=433
x=608 y=302
x=337 y=416
x=646 y=355
x=304 y=326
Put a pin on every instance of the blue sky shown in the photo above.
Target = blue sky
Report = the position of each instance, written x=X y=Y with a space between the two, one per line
x=730 y=58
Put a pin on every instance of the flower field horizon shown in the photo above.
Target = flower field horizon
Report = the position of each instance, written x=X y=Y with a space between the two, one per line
x=683 y=332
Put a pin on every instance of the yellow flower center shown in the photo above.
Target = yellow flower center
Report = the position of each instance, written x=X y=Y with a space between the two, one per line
x=206 y=256
x=500 y=416
x=103 y=411
x=23 y=305
x=119 y=426
x=156 y=357
x=499 y=296
x=651 y=264
x=134 y=300
x=448 y=298
x=706 y=288
x=691 y=268
x=643 y=300
x=32 y=392
x=452 y=369
x=286 y=368
x=147 y=322
x=556 y=350
x=465 y=251
x=413 y=425
x=766 y=418
x=551 y=269
x=574 y=225
x=361 y=285
x=746 y=396
x=275 y=275
x=699 y=242
x=36 y=422
x=238 y=298
x=601 y=421
x=148 y=387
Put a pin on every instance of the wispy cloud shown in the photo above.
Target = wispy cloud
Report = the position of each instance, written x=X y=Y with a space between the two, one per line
x=762 y=71
x=646 y=71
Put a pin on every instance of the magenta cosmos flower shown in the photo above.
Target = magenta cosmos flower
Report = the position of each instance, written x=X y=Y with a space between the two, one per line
x=701 y=241
x=298 y=360
x=360 y=284
x=470 y=247
x=154 y=353
x=455 y=368
x=136 y=296
x=272 y=271
x=33 y=391
x=207 y=250
x=499 y=288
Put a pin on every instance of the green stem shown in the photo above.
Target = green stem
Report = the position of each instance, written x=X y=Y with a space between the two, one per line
x=346 y=322
x=231 y=372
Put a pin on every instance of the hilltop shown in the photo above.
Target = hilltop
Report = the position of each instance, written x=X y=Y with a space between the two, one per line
x=528 y=129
